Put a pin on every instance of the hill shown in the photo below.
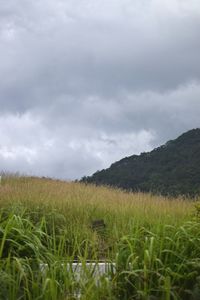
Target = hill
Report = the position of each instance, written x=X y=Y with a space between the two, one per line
x=171 y=169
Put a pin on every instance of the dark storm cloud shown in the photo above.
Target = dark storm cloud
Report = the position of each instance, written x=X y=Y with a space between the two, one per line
x=84 y=83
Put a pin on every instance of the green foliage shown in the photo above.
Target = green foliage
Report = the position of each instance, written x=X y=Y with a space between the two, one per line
x=20 y=238
x=152 y=243
x=151 y=263
x=160 y=265
x=172 y=169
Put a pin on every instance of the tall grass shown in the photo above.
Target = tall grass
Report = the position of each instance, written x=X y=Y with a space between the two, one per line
x=46 y=224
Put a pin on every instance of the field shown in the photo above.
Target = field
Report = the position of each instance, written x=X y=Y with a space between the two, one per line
x=47 y=224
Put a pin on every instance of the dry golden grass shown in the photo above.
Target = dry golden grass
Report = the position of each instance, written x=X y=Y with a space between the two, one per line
x=89 y=201
x=155 y=248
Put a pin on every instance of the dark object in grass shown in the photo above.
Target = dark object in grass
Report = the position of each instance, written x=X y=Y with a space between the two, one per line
x=98 y=225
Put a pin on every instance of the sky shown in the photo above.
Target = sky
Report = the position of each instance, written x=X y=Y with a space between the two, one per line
x=84 y=83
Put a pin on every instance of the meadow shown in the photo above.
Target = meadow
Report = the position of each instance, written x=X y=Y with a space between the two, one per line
x=46 y=225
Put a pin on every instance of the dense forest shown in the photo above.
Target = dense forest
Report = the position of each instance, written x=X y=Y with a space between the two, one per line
x=171 y=169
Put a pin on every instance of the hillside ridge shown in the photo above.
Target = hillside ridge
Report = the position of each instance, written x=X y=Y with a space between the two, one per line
x=171 y=169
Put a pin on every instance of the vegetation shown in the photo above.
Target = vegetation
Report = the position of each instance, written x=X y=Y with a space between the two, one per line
x=45 y=225
x=172 y=169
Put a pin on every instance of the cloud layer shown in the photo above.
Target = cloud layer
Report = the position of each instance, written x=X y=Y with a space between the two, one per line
x=84 y=83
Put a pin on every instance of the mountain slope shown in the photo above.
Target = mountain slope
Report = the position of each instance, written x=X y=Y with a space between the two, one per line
x=171 y=169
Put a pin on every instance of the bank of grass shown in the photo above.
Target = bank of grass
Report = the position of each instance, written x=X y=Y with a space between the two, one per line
x=154 y=241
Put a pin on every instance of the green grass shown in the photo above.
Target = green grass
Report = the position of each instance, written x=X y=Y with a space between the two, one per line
x=154 y=241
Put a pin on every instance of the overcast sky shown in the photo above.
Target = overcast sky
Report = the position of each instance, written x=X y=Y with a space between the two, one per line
x=84 y=83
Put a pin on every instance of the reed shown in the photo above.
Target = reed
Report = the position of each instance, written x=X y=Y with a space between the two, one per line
x=154 y=242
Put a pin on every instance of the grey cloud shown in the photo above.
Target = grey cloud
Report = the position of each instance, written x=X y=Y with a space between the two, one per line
x=103 y=56
x=84 y=83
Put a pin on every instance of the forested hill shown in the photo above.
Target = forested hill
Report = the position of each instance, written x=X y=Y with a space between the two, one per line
x=172 y=169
